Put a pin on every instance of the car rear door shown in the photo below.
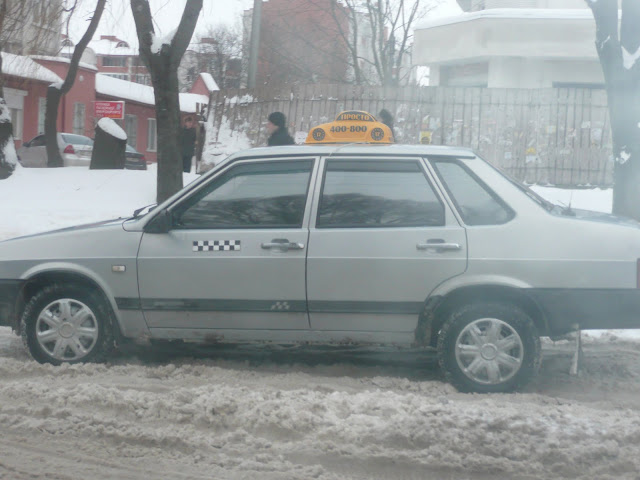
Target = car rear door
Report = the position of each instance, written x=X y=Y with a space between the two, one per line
x=235 y=257
x=381 y=240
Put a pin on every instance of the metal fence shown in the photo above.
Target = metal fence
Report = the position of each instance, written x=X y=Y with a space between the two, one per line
x=557 y=136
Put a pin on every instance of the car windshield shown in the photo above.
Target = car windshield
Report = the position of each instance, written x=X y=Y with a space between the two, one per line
x=76 y=139
x=130 y=149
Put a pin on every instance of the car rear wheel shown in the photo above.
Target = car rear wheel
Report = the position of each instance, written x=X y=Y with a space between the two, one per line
x=489 y=347
x=67 y=323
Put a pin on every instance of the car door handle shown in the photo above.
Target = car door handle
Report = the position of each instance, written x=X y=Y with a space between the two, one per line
x=282 y=244
x=438 y=245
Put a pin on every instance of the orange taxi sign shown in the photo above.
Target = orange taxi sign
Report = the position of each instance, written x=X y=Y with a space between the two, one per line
x=352 y=126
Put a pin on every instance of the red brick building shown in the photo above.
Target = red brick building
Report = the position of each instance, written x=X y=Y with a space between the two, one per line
x=27 y=80
x=300 y=41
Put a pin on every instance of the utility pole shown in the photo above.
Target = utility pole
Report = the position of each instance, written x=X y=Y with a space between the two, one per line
x=255 y=43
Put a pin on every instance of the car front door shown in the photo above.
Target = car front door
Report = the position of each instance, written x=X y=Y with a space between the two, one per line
x=235 y=255
x=383 y=239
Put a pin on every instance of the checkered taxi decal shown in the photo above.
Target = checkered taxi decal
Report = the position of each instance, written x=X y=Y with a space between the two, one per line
x=216 y=245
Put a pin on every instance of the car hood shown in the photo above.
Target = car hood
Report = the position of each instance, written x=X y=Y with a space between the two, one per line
x=602 y=217
x=85 y=226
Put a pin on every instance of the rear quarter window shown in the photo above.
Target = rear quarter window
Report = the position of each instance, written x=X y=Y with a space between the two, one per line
x=474 y=200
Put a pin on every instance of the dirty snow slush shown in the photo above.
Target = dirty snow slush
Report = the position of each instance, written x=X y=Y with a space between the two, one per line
x=243 y=413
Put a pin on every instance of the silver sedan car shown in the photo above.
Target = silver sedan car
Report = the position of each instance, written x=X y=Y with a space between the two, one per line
x=410 y=246
x=75 y=151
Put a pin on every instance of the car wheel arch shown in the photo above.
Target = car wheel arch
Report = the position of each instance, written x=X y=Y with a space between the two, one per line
x=37 y=281
x=438 y=308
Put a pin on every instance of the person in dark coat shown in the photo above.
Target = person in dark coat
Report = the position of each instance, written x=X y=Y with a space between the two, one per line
x=277 y=128
x=187 y=143
x=387 y=119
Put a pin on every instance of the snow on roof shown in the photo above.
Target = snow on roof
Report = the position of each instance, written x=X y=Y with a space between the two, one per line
x=188 y=102
x=136 y=92
x=511 y=13
x=25 y=67
x=114 y=87
x=106 y=46
x=209 y=82
x=88 y=66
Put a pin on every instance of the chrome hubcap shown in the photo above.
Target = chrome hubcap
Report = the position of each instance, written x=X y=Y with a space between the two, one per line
x=489 y=351
x=67 y=329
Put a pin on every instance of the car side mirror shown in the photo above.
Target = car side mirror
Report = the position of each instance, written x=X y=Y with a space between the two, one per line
x=161 y=223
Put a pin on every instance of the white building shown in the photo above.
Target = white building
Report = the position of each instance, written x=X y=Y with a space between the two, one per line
x=531 y=44
x=32 y=27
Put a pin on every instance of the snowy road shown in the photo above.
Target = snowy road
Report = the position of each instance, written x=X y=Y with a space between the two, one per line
x=295 y=415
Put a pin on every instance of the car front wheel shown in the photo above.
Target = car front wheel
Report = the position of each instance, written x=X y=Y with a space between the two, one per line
x=489 y=347
x=67 y=323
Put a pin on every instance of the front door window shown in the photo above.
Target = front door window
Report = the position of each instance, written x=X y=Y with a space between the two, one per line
x=259 y=195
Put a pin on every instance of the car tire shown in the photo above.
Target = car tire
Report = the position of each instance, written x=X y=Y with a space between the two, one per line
x=489 y=347
x=67 y=323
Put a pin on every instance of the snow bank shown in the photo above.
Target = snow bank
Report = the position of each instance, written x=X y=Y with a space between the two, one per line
x=112 y=128
x=596 y=199
x=237 y=414
x=39 y=199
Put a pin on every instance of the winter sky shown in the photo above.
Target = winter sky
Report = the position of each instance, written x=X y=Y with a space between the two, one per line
x=118 y=20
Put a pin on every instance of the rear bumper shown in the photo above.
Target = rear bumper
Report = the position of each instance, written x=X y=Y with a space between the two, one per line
x=589 y=308
x=9 y=292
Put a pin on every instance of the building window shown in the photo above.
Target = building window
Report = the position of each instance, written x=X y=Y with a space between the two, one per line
x=78 y=118
x=16 y=121
x=114 y=61
x=42 y=108
x=121 y=76
x=131 y=128
x=152 y=135
x=143 y=79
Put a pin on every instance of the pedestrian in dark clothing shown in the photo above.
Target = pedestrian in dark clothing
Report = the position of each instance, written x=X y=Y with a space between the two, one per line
x=387 y=119
x=187 y=143
x=277 y=128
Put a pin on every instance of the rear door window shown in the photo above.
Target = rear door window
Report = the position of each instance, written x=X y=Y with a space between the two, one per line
x=378 y=194
x=474 y=200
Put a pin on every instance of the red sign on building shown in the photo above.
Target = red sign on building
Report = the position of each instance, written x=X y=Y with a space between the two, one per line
x=113 y=110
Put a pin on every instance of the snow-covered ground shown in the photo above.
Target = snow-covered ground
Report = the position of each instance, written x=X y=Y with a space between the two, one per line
x=244 y=413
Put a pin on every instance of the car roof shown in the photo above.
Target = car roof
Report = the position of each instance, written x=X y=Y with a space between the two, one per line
x=357 y=149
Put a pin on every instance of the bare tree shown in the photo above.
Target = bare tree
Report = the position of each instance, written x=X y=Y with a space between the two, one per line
x=55 y=92
x=162 y=58
x=619 y=52
x=218 y=52
x=379 y=37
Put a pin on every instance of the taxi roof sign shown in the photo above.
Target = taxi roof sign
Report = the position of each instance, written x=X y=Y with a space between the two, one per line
x=352 y=126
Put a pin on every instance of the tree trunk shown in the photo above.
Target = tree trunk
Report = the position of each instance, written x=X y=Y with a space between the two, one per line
x=165 y=87
x=108 y=151
x=616 y=49
x=54 y=158
x=624 y=106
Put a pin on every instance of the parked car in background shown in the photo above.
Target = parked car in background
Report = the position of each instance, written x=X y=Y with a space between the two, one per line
x=75 y=150
x=134 y=160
